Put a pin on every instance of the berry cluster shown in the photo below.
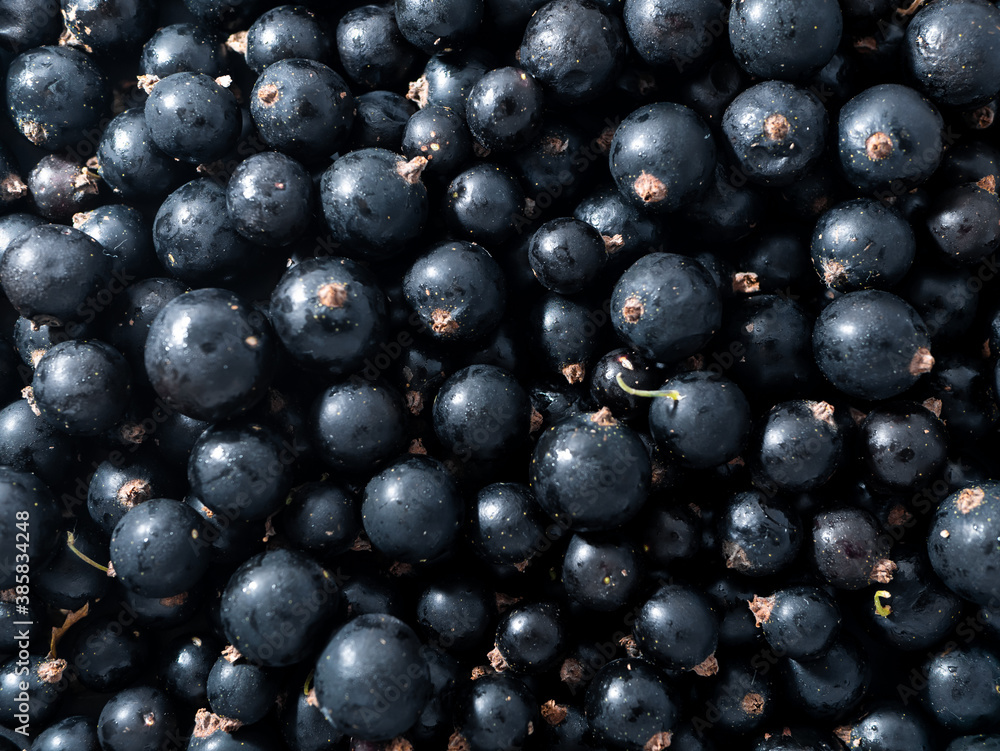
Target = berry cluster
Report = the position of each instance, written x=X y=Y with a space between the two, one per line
x=498 y=375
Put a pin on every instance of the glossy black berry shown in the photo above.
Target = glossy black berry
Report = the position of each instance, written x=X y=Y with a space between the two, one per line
x=184 y=667
x=288 y=31
x=435 y=26
x=961 y=689
x=498 y=712
x=675 y=36
x=440 y=136
x=269 y=198
x=192 y=118
x=903 y=446
x=49 y=273
x=109 y=27
x=484 y=204
x=28 y=443
x=56 y=96
x=115 y=487
x=412 y=510
x=129 y=161
x=798 y=622
x=784 y=39
x=239 y=689
x=449 y=76
x=76 y=732
x=329 y=314
x=890 y=139
x=359 y=426
x=372 y=50
x=829 y=685
x=574 y=49
x=590 y=473
x=137 y=719
x=964 y=221
x=195 y=239
x=662 y=156
x=507 y=526
x=850 y=549
x=457 y=290
x=158 y=548
x=127 y=239
x=374 y=201
x=862 y=244
x=871 y=345
x=209 y=354
x=181 y=47
x=530 y=638
x=666 y=307
x=798 y=446
x=303 y=108
x=567 y=255
x=628 y=704
x=956 y=542
x=277 y=605
x=83 y=388
x=950 y=52
x=776 y=132
x=504 y=109
x=601 y=574
x=758 y=535
x=354 y=696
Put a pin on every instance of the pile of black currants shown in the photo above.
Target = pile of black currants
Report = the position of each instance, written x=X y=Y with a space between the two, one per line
x=499 y=375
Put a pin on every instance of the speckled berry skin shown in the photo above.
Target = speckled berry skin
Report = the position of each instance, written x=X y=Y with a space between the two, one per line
x=269 y=198
x=590 y=476
x=277 y=605
x=358 y=426
x=890 y=138
x=55 y=96
x=962 y=542
x=862 y=244
x=504 y=109
x=159 y=548
x=679 y=36
x=776 y=131
x=784 y=39
x=871 y=344
x=329 y=313
x=952 y=52
x=666 y=307
x=662 y=156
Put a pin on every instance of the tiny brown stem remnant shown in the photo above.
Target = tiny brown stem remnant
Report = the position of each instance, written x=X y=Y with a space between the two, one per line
x=148 y=82
x=51 y=671
x=418 y=92
x=753 y=704
x=745 y=282
x=632 y=310
x=134 y=492
x=883 y=570
x=571 y=672
x=865 y=45
x=658 y=742
x=13 y=188
x=844 y=734
x=736 y=557
x=933 y=406
x=332 y=295
x=878 y=146
x=231 y=653
x=603 y=141
x=823 y=411
x=399 y=744
x=554 y=713
x=414 y=402
x=417 y=448
x=970 y=499
x=442 y=322
x=989 y=184
x=776 y=127
x=497 y=662
x=649 y=188
x=604 y=418
x=833 y=271
x=612 y=243
x=554 y=145
x=761 y=608
x=33 y=131
x=411 y=170
x=707 y=668
x=982 y=118
x=631 y=648
x=536 y=421
x=922 y=362
x=28 y=394
x=574 y=372
x=268 y=94
x=458 y=742
x=898 y=516
x=174 y=600
x=238 y=43
x=207 y=724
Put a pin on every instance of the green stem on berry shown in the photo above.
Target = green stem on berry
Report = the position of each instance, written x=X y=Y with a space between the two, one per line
x=70 y=539
x=882 y=610
x=669 y=394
